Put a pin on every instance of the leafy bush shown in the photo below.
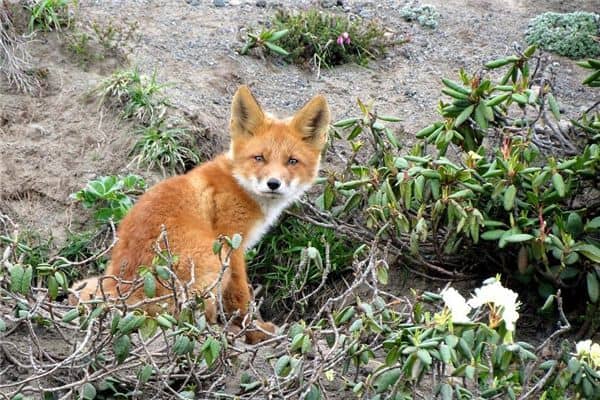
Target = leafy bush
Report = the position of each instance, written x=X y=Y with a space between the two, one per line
x=573 y=34
x=374 y=345
x=272 y=261
x=321 y=39
x=139 y=96
x=529 y=205
x=425 y=15
x=49 y=15
x=111 y=196
x=166 y=147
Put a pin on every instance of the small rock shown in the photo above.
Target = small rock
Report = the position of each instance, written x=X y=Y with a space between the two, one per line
x=193 y=2
x=261 y=3
x=219 y=3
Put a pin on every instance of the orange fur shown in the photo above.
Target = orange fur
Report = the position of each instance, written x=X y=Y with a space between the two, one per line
x=231 y=194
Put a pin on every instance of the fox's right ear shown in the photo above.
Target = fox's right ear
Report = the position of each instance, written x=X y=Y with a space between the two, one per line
x=246 y=114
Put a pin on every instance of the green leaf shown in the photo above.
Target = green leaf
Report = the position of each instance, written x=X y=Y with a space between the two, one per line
x=148 y=328
x=70 y=315
x=574 y=365
x=236 y=241
x=387 y=379
x=20 y=279
x=382 y=273
x=88 y=391
x=163 y=272
x=553 y=106
x=509 y=197
x=493 y=234
x=389 y=118
x=428 y=130
x=344 y=123
x=589 y=250
x=121 y=347
x=500 y=62
x=559 y=184
x=424 y=356
x=480 y=116
x=593 y=224
x=282 y=366
x=574 y=224
x=149 y=285
x=446 y=392
x=314 y=393
x=455 y=86
x=464 y=115
x=518 y=237
x=276 y=49
x=145 y=373
x=278 y=35
x=52 y=288
x=497 y=99
x=592 y=287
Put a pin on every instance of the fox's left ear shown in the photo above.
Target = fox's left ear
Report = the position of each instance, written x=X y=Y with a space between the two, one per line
x=246 y=114
x=313 y=121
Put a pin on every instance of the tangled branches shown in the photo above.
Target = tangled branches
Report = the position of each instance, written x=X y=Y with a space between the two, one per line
x=362 y=339
x=15 y=61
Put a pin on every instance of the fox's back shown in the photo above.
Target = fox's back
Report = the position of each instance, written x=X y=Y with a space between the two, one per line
x=193 y=208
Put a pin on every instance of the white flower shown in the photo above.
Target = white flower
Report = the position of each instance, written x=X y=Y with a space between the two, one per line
x=583 y=347
x=459 y=309
x=502 y=301
x=595 y=355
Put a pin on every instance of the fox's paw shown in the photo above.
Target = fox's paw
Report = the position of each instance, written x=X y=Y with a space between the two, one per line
x=262 y=331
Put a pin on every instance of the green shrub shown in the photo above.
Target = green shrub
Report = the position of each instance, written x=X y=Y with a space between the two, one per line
x=321 y=39
x=426 y=15
x=521 y=201
x=273 y=261
x=111 y=196
x=573 y=35
x=138 y=95
x=49 y=15
x=169 y=148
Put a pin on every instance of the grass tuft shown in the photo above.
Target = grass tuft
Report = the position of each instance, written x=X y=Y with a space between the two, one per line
x=168 y=148
x=321 y=39
x=139 y=96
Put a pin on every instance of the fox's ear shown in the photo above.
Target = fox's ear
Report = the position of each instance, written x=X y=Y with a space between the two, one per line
x=313 y=121
x=246 y=114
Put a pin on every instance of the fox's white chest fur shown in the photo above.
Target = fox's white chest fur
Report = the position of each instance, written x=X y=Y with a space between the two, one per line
x=271 y=212
x=272 y=209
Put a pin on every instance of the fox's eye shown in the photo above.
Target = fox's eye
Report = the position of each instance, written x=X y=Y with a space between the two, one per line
x=292 y=161
x=259 y=158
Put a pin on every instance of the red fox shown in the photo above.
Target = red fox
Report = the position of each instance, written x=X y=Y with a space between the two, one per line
x=270 y=163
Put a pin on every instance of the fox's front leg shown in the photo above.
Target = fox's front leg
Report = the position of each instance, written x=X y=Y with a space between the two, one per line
x=237 y=297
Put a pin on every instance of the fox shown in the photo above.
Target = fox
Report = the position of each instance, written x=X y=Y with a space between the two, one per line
x=270 y=163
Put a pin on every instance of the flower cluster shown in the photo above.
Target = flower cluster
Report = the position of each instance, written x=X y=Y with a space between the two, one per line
x=502 y=303
x=343 y=39
x=590 y=352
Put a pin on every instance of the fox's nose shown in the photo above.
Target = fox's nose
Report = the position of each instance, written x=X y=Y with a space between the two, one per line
x=273 y=184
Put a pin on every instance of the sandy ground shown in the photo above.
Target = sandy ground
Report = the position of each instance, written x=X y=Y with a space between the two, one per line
x=52 y=145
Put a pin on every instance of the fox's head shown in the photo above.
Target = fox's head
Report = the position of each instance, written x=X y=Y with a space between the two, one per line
x=275 y=158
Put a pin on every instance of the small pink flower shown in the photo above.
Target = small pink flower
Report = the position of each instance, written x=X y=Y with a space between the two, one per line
x=346 y=37
x=343 y=39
